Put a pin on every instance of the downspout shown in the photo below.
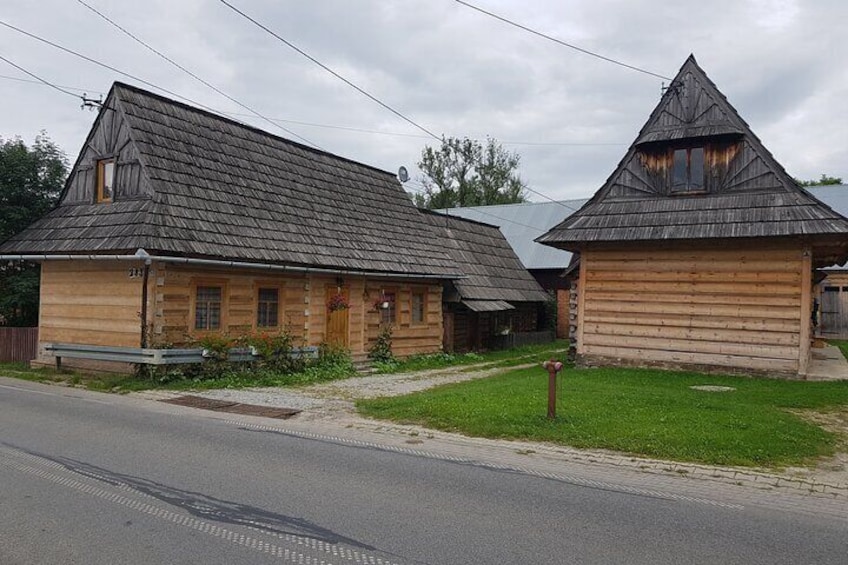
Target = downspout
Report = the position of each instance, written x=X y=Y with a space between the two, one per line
x=144 y=278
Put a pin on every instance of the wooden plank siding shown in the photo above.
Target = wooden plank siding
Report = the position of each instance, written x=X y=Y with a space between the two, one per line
x=741 y=309
x=90 y=302
x=303 y=309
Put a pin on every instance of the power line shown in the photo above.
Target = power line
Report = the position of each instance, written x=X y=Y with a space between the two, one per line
x=105 y=66
x=331 y=71
x=356 y=129
x=19 y=79
x=198 y=104
x=39 y=79
x=423 y=190
x=193 y=75
x=560 y=42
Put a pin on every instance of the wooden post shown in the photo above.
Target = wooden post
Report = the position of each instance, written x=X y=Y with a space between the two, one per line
x=806 y=311
x=553 y=367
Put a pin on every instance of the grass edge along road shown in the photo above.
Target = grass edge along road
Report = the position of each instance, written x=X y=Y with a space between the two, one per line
x=646 y=412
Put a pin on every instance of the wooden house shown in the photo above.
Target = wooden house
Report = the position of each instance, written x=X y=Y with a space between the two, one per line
x=176 y=223
x=498 y=303
x=698 y=251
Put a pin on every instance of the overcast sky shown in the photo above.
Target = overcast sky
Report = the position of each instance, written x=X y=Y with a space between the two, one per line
x=783 y=64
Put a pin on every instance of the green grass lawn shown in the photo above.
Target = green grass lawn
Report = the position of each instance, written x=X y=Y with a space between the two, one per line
x=644 y=412
x=101 y=382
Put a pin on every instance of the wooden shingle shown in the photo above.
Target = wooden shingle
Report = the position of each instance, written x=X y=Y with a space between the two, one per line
x=748 y=195
x=210 y=187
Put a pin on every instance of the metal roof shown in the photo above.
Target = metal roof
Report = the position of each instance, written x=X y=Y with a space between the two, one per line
x=521 y=224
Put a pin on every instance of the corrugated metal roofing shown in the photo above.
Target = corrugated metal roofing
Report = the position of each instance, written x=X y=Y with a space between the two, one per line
x=521 y=224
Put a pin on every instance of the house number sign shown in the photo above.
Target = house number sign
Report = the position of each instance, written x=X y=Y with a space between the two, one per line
x=135 y=272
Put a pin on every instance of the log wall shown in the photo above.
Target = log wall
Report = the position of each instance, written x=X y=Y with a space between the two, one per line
x=90 y=302
x=734 y=309
x=303 y=309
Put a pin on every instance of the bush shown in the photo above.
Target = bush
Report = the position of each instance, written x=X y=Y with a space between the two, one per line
x=381 y=351
x=275 y=351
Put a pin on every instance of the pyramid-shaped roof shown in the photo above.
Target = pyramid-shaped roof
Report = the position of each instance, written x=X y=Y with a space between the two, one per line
x=210 y=187
x=744 y=193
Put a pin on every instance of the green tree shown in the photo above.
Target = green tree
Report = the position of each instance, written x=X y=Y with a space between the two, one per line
x=466 y=172
x=824 y=180
x=31 y=179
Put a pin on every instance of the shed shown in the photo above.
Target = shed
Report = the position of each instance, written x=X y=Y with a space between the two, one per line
x=498 y=303
x=699 y=249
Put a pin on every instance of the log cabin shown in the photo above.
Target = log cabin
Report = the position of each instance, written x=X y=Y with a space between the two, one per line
x=176 y=223
x=699 y=249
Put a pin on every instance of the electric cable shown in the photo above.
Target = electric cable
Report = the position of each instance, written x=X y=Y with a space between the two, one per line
x=38 y=78
x=193 y=75
x=559 y=41
x=331 y=71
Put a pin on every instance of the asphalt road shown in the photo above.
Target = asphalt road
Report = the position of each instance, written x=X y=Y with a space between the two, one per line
x=102 y=479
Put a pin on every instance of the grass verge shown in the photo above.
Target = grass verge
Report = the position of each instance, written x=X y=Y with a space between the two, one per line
x=638 y=411
x=228 y=377
x=502 y=358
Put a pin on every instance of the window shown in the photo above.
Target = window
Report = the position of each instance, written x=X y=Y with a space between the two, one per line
x=207 y=307
x=268 y=308
x=388 y=309
x=418 y=306
x=687 y=173
x=105 y=180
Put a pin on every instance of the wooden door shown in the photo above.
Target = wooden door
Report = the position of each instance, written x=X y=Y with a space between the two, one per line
x=447 y=337
x=338 y=320
x=830 y=315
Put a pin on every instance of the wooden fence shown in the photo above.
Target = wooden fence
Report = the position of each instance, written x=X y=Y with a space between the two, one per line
x=18 y=344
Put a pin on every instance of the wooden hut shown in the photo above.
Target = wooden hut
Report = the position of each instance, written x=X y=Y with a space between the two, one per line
x=176 y=223
x=498 y=303
x=699 y=249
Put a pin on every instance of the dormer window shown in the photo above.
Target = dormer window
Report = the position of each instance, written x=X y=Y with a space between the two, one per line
x=105 y=180
x=687 y=173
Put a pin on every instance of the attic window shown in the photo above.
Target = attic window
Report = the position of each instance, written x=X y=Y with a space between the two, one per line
x=105 y=180
x=687 y=173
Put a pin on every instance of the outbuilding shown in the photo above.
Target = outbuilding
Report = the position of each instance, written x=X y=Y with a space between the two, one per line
x=699 y=250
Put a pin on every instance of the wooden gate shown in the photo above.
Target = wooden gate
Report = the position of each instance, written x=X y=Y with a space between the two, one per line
x=833 y=311
x=18 y=344
x=338 y=320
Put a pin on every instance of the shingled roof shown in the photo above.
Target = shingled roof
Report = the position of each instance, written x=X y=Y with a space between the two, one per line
x=492 y=270
x=215 y=188
x=753 y=197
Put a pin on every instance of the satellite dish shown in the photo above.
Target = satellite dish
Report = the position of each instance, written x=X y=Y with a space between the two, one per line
x=403 y=174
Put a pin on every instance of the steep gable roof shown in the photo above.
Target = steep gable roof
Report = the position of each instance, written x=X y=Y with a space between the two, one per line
x=492 y=269
x=216 y=188
x=751 y=197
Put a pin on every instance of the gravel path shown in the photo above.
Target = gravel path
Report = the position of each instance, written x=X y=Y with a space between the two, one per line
x=335 y=399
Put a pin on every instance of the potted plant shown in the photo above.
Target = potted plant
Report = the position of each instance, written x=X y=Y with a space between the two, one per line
x=338 y=302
